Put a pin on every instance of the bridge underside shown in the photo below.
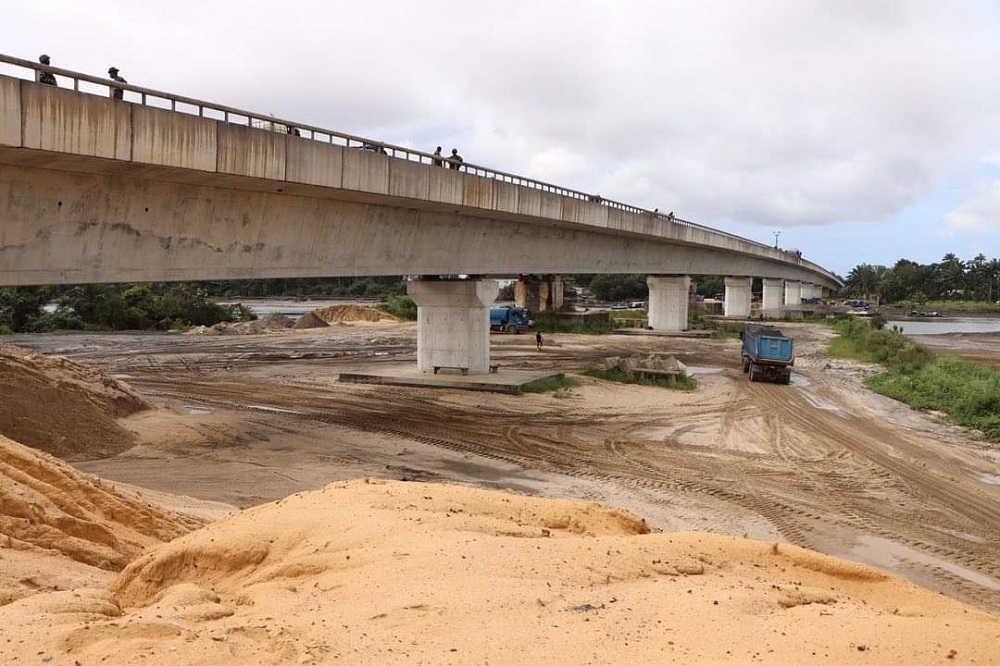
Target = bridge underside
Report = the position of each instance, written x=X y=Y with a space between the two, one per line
x=145 y=223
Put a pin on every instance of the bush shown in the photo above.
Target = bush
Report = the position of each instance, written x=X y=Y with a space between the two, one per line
x=403 y=307
x=968 y=393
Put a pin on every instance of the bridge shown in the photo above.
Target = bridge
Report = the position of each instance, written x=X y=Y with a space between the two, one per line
x=160 y=187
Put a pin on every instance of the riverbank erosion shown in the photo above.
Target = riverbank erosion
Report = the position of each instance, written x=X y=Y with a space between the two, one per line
x=262 y=515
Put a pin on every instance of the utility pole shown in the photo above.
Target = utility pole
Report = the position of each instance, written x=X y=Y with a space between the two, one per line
x=776 y=234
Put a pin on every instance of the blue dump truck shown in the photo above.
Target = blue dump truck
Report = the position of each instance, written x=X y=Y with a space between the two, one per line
x=509 y=319
x=767 y=354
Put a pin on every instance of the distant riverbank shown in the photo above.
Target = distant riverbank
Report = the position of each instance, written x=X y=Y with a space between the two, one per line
x=291 y=307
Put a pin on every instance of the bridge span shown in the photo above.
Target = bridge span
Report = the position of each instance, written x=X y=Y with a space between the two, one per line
x=159 y=187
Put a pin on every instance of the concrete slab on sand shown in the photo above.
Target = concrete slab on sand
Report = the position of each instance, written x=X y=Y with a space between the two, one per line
x=501 y=381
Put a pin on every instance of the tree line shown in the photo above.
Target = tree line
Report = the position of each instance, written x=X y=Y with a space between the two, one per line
x=164 y=306
x=977 y=279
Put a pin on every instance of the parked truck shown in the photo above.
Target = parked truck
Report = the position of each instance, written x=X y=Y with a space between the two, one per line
x=767 y=354
x=509 y=319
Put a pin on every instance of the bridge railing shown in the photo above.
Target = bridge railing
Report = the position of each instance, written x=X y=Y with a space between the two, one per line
x=178 y=103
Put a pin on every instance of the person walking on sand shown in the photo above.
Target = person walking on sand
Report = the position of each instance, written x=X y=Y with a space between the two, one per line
x=538 y=340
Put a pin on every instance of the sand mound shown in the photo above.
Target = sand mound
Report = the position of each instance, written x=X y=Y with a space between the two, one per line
x=63 y=407
x=368 y=572
x=47 y=506
x=353 y=313
x=309 y=320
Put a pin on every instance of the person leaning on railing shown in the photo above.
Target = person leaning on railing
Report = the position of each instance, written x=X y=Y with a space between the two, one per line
x=116 y=93
x=48 y=78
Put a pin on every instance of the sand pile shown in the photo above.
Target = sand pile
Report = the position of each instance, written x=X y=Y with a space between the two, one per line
x=63 y=407
x=309 y=320
x=271 y=322
x=409 y=573
x=353 y=313
x=49 y=509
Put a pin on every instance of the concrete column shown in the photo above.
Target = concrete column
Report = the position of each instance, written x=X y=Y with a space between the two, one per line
x=772 y=297
x=453 y=323
x=737 y=303
x=668 y=302
x=793 y=293
x=539 y=293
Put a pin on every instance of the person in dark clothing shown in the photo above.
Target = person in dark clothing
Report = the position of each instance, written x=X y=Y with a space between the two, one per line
x=48 y=78
x=436 y=157
x=455 y=160
x=116 y=93
x=538 y=340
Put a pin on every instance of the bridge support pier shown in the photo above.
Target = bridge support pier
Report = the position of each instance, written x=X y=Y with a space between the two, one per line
x=539 y=293
x=772 y=297
x=453 y=324
x=737 y=303
x=793 y=293
x=668 y=302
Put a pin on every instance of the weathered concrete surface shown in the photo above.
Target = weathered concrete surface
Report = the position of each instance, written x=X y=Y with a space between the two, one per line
x=453 y=324
x=668 y=302
x=793 y=292
x=773 y=296
x=738 y=295
x=87 y=179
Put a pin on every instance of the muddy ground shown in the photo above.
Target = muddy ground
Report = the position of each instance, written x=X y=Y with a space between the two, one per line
x=822 y=463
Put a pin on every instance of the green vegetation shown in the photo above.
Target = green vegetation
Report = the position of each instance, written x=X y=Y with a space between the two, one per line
x=615 y=287
x=112 y=307
x=559 y=384
x=968 y=393
x=401 y=306
x=724 y=329
x=548 y=322
x=346 y=287
x=681 y=381
x=942 y=284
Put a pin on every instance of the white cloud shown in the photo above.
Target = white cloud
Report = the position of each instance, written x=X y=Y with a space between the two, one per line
x=790 y=112
x=980 y=212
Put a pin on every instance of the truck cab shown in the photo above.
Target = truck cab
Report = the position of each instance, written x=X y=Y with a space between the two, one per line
x=509 y=319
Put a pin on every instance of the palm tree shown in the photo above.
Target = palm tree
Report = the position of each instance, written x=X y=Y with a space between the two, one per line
x=992 y=279
x=951 y=275
x=866 y=280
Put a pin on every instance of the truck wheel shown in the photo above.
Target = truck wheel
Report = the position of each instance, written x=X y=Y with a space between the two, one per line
x=752 y=374
x=746 y=365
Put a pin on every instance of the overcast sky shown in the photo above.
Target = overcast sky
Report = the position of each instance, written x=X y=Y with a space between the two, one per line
x=865 y=131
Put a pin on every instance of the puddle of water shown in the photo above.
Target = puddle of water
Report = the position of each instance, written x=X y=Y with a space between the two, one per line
x=699 y=370
x=191 y=409
x=993 y=479
x=891 y=555
x=265 y=408
x=818 y=402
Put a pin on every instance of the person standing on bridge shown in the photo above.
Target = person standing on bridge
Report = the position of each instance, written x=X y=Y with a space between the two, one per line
x=116 y=93
x=455 y=161
x=436 y=158
x=48 y=78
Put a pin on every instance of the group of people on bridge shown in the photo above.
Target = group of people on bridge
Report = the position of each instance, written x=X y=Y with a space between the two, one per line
x=454 y=160
x=49 y=79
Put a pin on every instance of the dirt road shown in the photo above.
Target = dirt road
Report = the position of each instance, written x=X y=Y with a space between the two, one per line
x=822 y=463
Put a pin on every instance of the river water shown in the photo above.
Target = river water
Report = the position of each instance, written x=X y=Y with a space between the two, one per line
x=942 y=325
